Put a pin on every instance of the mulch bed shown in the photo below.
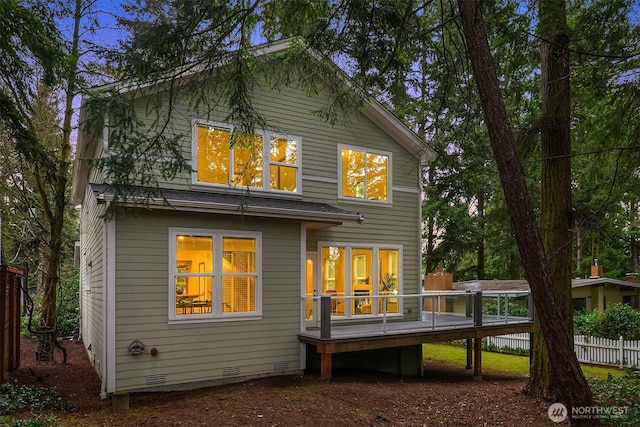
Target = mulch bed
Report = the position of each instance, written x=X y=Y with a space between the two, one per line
x=444 y=396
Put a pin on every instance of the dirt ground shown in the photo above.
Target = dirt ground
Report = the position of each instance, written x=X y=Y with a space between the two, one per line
x=444 y=396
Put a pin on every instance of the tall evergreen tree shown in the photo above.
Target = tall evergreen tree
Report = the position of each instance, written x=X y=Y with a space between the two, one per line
x=555 y=212
x=571 y=383
x=36 y=57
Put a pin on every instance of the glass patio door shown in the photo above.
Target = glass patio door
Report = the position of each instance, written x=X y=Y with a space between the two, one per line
x=311 y=306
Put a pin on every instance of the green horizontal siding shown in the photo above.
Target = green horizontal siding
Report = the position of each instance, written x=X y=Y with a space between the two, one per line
x=91 y=301
x=201 y=351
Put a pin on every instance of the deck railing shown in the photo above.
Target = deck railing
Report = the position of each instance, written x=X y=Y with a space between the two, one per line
x=427 y=310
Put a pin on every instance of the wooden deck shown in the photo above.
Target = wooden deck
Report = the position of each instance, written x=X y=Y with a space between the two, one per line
x=432 y=328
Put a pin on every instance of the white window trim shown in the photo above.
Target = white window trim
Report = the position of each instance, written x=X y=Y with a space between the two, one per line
x=389 y=155
x=266 y=157
x=216 y=314
x=374 y=267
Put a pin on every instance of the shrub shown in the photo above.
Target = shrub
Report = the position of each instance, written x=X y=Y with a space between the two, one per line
x=515 y=309
x=619 y=320
x=621 y=393
x=15 y=398
x=47 y=420
x=506 y=349
x=587 y=323
x=68 y=302
x=68 y=320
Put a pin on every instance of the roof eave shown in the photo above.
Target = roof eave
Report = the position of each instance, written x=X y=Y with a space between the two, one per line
x=254 y=211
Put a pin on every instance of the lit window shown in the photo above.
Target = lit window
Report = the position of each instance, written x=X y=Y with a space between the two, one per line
x=213 y=155
x=364 y=174
x=214 y=274
x=260 y=160
x=283 y=172
x=247 y=160
x=372 y=271
x=238 y=274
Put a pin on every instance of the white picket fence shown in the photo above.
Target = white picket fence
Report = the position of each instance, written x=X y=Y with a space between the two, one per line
x=598 y=351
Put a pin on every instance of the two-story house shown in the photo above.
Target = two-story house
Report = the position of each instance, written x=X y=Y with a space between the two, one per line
x=216 y=287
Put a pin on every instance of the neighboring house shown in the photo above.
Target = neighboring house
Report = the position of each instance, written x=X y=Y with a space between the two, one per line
x=216 y=287
x=602 y=292
x=587 y=294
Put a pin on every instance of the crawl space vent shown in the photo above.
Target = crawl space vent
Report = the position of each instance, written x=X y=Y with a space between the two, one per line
x=156 y=379
x=231 y=372
x=281 y=366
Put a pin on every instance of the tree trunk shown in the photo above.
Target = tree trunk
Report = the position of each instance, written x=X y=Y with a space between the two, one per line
x=555 y=212
x=54 y=210
x=481 y=227
x=48 y=316
x=633 y=242
x=430 y=264
x=579 y=249
x=564 y=366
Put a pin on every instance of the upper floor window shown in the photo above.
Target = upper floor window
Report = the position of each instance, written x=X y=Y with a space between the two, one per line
x=261 y=160
x=214 y=274
x=364 y=174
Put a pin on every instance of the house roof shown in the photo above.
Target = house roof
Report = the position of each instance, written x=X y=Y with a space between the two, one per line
x=578 y=283
x=523 y=285
x=491 y=285
x=375 y=111
x=320 y=214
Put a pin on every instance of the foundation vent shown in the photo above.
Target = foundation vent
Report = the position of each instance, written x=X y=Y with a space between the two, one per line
x=156 y=379
x=233 y=371
x=281 y=366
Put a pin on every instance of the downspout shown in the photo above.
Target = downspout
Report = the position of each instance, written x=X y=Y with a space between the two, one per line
x=105 y=304
x=105 y=277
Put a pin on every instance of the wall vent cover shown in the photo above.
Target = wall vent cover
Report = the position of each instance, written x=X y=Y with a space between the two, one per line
x=281 y=366
x=231 y=371
x=156 y=379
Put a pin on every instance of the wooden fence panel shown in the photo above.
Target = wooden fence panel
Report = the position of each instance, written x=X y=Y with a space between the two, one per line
x=10 y=310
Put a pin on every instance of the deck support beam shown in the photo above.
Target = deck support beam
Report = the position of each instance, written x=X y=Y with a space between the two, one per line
x=326 y=347
x=477 y=356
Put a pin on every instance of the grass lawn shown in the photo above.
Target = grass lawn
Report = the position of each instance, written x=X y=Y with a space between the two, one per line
x=500 y=362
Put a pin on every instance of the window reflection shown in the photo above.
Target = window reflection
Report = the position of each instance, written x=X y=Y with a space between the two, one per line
x=364 y=175
x=242 y=161
x=283 y=172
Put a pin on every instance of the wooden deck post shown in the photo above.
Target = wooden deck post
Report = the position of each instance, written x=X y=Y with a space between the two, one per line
x=469 y=353
x=477 y=363
x=325 y=366
x=326 y=353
